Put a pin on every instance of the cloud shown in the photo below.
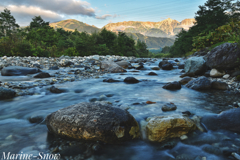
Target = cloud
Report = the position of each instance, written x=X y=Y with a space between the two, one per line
x=68 y=7
x=105 y=16
x=24 y=14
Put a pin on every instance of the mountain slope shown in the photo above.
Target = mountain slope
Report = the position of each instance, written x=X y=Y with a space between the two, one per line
x=165 y=28
x=152 y=42
x=72 y=24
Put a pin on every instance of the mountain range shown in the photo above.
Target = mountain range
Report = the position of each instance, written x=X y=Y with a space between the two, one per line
x=154 y=34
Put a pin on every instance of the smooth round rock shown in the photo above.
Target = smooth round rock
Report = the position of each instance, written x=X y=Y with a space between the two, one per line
x=131 y=80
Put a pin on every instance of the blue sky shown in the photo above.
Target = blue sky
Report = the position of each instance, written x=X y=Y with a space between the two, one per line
x=101 y=12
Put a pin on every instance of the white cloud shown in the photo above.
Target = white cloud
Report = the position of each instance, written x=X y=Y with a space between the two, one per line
x=105 y=16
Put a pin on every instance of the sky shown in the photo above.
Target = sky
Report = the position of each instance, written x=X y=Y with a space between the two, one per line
x=101 y=12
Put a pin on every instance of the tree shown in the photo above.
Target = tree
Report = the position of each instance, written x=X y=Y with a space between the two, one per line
x=38 y=22
x=8 y=23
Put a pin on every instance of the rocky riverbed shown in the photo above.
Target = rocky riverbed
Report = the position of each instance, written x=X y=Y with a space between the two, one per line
x=158 y=114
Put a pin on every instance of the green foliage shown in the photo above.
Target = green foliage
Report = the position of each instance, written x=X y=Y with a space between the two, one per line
x=166 y=49
x=39 y=39
x=212 y=26
x=163 y=55
x=238 y=78
x=7 y=23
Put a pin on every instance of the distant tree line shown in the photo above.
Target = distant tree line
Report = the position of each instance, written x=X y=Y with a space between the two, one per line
x=39 y=39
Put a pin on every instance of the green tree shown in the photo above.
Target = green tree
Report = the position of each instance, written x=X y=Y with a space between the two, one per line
x=38 y=22
x=8 y=23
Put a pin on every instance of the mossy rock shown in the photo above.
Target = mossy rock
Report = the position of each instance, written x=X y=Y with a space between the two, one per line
x=238 y=78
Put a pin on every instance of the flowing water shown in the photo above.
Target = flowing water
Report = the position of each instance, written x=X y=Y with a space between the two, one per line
x=18 y=135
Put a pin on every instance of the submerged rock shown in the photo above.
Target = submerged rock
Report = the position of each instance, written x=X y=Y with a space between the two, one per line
x=165 y=127
x=54 y=68
x=42 y=75
x=229 y=120
x=152 y=74
x=110 y=80
x=168 y=66
x=6 y=93
x=169 y=107
x=172 y=85
x=18 y=71
x=55 y=90
x=97 y=121
x=185 y=80
x=200 y=83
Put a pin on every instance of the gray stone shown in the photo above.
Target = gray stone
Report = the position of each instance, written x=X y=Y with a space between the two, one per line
x=18 y=71
x=97 y=121
x=6 y=93
x=168 y=66
x=123 y=64
x=216 y=74
x=196 y=65
x=172 y=85
x=185 y=80
x=223 y=56
x=42 y=75
x=131 y=80
x=111 y=66
x=169 y=107
x=200 y=83
x=219 y=85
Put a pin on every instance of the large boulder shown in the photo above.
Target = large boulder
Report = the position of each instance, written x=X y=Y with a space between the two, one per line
x=165 y=127
x=18 y=71
x=111 y=66
x=123 y=64
x=200 y=83
x=196 y=65
x=172 y=85
x=229 y=120
x=224 y=56
x=217 y=74
x=97 y=121
x=6 y=93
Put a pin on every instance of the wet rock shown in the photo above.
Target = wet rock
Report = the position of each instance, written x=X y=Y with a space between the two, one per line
x=66 y=63
x=155 y=68
x=187 y=75
x=176 y=60
x=123 y=64
x=110 y=80
x=53 y=68
x=131 y=80
x=97 y=121
x=55 y=90
x=223 y=56
x=42 y=75
x=172 y=85
x=196 y=65
x=216 y=74
x=18 y=71
x=165 y=127
x=36 y=119
x=163 y=63
x=219 y=85
x=187 y=113
x=168 y=66
x=207 y=74
x=150 y=102
x=185 y=80
x=6 y=93
x=201 y=83
x=169 y=107
x=229 y=120
x=111 y=66
x=152 y=74
x=181 y=66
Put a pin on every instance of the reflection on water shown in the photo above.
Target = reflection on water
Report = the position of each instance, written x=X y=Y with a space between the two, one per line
x=18 y=134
